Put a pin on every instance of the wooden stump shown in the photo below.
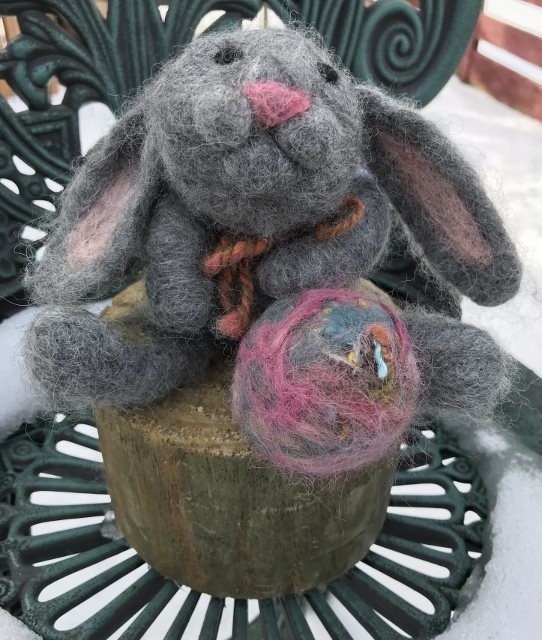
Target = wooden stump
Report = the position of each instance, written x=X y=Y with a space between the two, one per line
x=195 y=503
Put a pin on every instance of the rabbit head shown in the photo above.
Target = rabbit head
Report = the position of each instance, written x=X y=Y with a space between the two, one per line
x=257 y=132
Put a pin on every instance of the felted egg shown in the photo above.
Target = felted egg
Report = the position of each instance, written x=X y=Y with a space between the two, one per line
x=325 y=382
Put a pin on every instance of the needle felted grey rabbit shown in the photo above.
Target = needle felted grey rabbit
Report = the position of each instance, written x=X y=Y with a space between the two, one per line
x=258 y=140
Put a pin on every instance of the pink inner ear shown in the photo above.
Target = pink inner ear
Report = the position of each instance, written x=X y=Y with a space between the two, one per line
x=439 y=200
x=89 y=240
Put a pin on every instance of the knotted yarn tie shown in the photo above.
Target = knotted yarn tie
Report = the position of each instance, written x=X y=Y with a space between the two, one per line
x=231 y=262
x=230 y=253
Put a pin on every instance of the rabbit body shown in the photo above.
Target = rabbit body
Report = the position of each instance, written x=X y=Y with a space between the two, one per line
x=262 y=135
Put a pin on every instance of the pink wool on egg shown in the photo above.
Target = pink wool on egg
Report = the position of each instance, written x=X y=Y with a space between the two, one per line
x=284 y=409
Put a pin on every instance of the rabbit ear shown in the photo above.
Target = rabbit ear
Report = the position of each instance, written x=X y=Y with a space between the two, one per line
x=441 y=199
x=101 y=217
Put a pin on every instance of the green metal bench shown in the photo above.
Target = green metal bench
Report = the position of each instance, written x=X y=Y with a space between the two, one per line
x=411 y=50
x=432 y=457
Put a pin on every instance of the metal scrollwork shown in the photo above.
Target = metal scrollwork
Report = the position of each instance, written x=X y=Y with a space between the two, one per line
x=412 y=51
x=96 y=59
x=49 y=531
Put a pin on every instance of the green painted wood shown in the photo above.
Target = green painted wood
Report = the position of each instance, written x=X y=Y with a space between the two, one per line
x=211 y=623
x=296 y=618
x=155 y=606
x=389 y=42
x=183 y=616
x=327 y=616
x=268 y=619
x=362 y=611
x=121 y=609
x=523 y=408
x=240 y=620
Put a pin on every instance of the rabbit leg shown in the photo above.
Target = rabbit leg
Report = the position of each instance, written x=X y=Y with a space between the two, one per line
x=461 y=367
x=79 y=360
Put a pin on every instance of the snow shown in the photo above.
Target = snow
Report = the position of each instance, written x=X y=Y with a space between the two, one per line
x=18 y=402
x=507 y=603
x=504 y=602
x=504 y=145
x=503 y=595
x=13 y=629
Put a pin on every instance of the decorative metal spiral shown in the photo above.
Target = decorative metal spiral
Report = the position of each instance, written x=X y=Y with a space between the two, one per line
x=408 y=49
x=394 y=32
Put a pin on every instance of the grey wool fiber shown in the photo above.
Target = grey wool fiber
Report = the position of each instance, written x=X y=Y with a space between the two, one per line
x=106 y=364
x=258 y=136
x=463 y=370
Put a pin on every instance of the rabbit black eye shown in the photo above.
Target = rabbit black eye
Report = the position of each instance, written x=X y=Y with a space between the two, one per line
x=228 y=54
x=328 y=73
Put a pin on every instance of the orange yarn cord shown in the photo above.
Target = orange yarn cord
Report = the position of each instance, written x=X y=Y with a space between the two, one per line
x=231 y=263
x=327 y=231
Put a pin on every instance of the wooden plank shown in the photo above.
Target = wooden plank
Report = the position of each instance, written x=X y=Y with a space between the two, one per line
x=507 y=86
x=11 y=27
x=464 y=68
x=5 y=90
x=102 y=7
x=520 y=43
x=219 y=508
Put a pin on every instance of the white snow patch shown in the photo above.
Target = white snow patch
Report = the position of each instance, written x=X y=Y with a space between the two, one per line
x=507 y=604
x=492 y=441
x=504 y=147
x=13 y=629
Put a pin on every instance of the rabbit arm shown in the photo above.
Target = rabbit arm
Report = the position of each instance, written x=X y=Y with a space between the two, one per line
x=181 y=298
x=309 y=263
x=461 y=367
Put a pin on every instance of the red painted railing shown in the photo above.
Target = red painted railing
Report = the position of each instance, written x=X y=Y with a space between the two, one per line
x=505 y=84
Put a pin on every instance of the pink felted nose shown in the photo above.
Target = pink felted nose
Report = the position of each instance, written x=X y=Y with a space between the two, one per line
x=275 y=103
